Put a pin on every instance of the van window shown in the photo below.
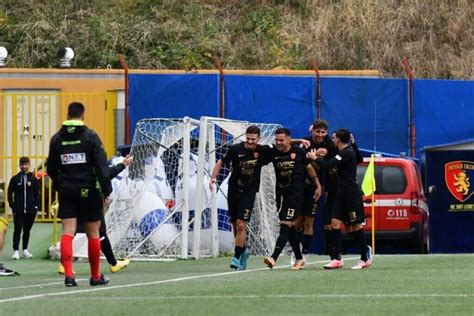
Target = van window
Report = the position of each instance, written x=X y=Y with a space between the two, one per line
x=388 y=179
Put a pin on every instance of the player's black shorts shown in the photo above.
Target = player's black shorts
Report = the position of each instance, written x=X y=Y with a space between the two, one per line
x=289 y=205
x=83 y=203
x=240 y=203
x=348 y=207
x=310 y=206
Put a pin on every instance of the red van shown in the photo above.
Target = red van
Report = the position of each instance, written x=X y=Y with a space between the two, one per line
x=401 y=208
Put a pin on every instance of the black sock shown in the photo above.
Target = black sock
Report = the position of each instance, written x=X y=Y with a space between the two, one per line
x=238 y=251
x=359 y=237
x=106 y=248
x=306 y=242
x=327 y=242
x=336 y=244
x=295 y=243
x=281 y=241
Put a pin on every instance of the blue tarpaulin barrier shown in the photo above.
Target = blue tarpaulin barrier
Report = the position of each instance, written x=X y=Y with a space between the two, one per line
x=444 y=111
x=172 y=96
x=285 y=100
x=374 y=109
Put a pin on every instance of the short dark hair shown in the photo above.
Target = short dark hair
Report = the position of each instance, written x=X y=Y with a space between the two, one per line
x=283 y=130
x=343 y=134
x=320 y=124
x=75 y=110
x=253 y=129
x=24 y=159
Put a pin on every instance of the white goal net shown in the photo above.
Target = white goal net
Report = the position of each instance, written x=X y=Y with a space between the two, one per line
x=155 y=201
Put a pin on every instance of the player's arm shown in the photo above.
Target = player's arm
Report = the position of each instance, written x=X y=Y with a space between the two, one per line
x=301 y=141
x=335 y=161
x=357 y=152
x=102 y=170
x=215 y=172
x=314 y=178
x=52 y=168
x=10 y=194
x=227 y=158
x=36 y=199
x=115 y=170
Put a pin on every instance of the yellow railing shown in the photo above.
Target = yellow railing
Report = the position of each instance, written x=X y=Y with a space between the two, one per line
x=28 y=120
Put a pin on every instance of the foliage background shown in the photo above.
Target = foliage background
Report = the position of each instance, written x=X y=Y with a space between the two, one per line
x=437 y=36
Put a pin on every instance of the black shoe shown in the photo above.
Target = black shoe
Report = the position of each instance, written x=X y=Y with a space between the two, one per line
x=103 y=280
x=5 y=272
x=70 y=282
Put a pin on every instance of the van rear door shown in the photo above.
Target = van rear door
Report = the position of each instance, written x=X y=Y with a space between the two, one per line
x=393 y=195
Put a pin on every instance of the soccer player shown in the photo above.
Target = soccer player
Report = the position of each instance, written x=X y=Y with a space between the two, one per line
x=317 y=144
x=348 y=207
x=23 y=198
x=105 y=246
x=76 y=162
x=246 y=159
x=290 y=163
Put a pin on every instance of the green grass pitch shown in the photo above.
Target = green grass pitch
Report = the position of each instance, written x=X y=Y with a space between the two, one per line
x=395 y=285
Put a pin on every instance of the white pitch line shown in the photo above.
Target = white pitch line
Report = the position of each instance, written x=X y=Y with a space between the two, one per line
x=338 y=296
x=105 y=288
x=36 y=285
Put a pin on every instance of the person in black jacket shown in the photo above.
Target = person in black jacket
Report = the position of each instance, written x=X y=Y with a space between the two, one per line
x=23 y=198
x=78 y=168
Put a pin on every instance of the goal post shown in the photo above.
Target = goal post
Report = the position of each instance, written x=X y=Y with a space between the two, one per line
x=149 y=215
x=162 y=206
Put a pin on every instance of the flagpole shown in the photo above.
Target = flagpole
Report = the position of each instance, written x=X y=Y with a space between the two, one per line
x=373 y=220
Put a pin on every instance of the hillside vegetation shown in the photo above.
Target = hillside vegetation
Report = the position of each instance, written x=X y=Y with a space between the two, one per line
x=437 y=36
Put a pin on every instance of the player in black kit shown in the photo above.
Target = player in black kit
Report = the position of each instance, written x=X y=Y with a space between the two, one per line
x=290 y=163
x=247 y=159
x=317 y=144
x=348 y=208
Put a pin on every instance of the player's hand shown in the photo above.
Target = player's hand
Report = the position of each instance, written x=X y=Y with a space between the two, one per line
x=107 y=201
x=312 y=154
x=128 y=160
x=211 y=184
x=317 y=193
x=321 y=152
x=305 y=143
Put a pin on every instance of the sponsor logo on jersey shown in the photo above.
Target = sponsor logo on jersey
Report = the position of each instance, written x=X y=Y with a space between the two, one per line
x=457 y=175
x=73 y=158
x=70 y=143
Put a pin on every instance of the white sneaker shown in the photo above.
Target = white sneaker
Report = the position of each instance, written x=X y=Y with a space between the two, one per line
x=306 y=258
x=27 y=254
x=293 y=259
x=16 y=255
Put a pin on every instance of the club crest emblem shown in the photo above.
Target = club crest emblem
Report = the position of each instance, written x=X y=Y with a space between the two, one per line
x=293 y=156
x=457 y=175
x=255 y=154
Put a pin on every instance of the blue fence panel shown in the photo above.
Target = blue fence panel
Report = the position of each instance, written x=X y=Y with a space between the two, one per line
x=444 y=111
x=289 y=101
x=374 y=109
x=172 y=96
